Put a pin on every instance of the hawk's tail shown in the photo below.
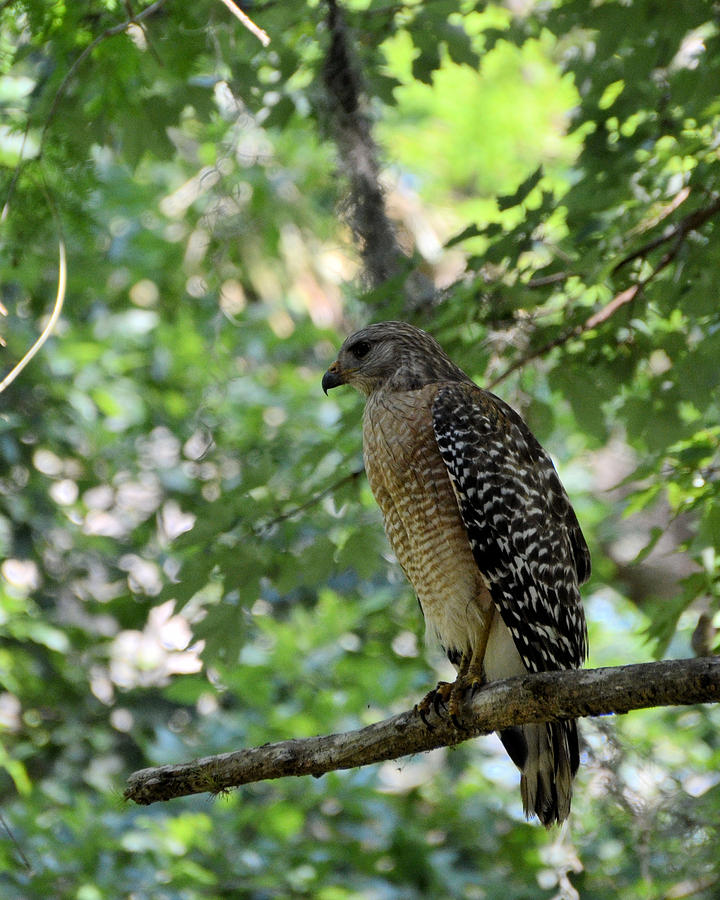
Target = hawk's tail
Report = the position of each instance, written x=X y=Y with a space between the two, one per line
x=548 y=756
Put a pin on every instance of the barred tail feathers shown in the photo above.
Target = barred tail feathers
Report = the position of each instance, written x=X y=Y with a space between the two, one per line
x=548 y=757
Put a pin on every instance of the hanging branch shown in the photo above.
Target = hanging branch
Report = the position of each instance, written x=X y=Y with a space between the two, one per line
x=597 y=318
x=358 y=157
x=515 y=701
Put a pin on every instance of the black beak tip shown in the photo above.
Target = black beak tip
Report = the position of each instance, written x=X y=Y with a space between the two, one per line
x=330 y=380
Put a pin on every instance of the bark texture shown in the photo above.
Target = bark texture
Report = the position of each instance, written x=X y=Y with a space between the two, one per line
x=545 y=697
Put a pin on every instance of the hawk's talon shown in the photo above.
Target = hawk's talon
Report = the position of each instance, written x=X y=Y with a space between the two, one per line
x=449 y=696
x=434 y=699
x=465 y=683
x=423 y=716
x=458 y=724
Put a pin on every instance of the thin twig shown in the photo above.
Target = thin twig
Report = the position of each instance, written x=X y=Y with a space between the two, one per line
x=690 y=222
x=550 y=696
x=545 y=280
x=302 y=507
x=261 y=35
x=109 y=32
x=692 y=887
x=662 y=214
x=52 y=321
x=21 y=853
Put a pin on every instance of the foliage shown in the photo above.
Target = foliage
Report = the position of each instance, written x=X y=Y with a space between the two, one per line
x=192 y=562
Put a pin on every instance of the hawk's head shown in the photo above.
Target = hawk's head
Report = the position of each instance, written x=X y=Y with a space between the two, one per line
x=390 y=356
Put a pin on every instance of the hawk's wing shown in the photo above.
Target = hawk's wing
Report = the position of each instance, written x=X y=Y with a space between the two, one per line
x=523 y=532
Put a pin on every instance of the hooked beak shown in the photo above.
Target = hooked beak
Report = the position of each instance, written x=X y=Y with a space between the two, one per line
x=333 y=377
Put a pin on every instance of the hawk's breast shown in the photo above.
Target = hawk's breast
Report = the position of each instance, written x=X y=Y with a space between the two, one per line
x=422 y=519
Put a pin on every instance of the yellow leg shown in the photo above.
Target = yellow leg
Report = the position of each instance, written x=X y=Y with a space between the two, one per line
x=471 y=673
x=477 y=664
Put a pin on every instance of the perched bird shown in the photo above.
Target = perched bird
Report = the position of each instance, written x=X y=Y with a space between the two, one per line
x=482 y=527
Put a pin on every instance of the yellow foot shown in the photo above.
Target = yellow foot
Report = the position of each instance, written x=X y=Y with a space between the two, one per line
x=433 y=700
x=462 y=684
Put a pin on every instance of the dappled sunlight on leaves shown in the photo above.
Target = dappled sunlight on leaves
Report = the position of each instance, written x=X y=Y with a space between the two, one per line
x=151 y=656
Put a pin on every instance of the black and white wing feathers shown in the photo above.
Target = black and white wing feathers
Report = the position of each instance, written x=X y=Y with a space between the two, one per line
x=524 y=534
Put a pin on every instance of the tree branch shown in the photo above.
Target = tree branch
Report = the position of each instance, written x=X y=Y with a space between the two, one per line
x=675 y=236
x=515 y=701
x=108 y=33
x=691 y=222
x=264 y=526
x=597 y=318
x=259 y=33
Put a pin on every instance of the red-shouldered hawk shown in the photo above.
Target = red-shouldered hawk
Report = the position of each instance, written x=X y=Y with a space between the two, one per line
x=480 y=523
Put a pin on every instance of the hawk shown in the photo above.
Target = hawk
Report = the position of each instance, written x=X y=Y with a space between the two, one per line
x=482 y=527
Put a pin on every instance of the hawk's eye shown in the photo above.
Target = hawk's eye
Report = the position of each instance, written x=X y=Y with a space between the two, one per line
x=362 y=348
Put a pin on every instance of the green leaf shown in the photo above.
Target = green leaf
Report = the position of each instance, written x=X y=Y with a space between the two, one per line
x=522 y=192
